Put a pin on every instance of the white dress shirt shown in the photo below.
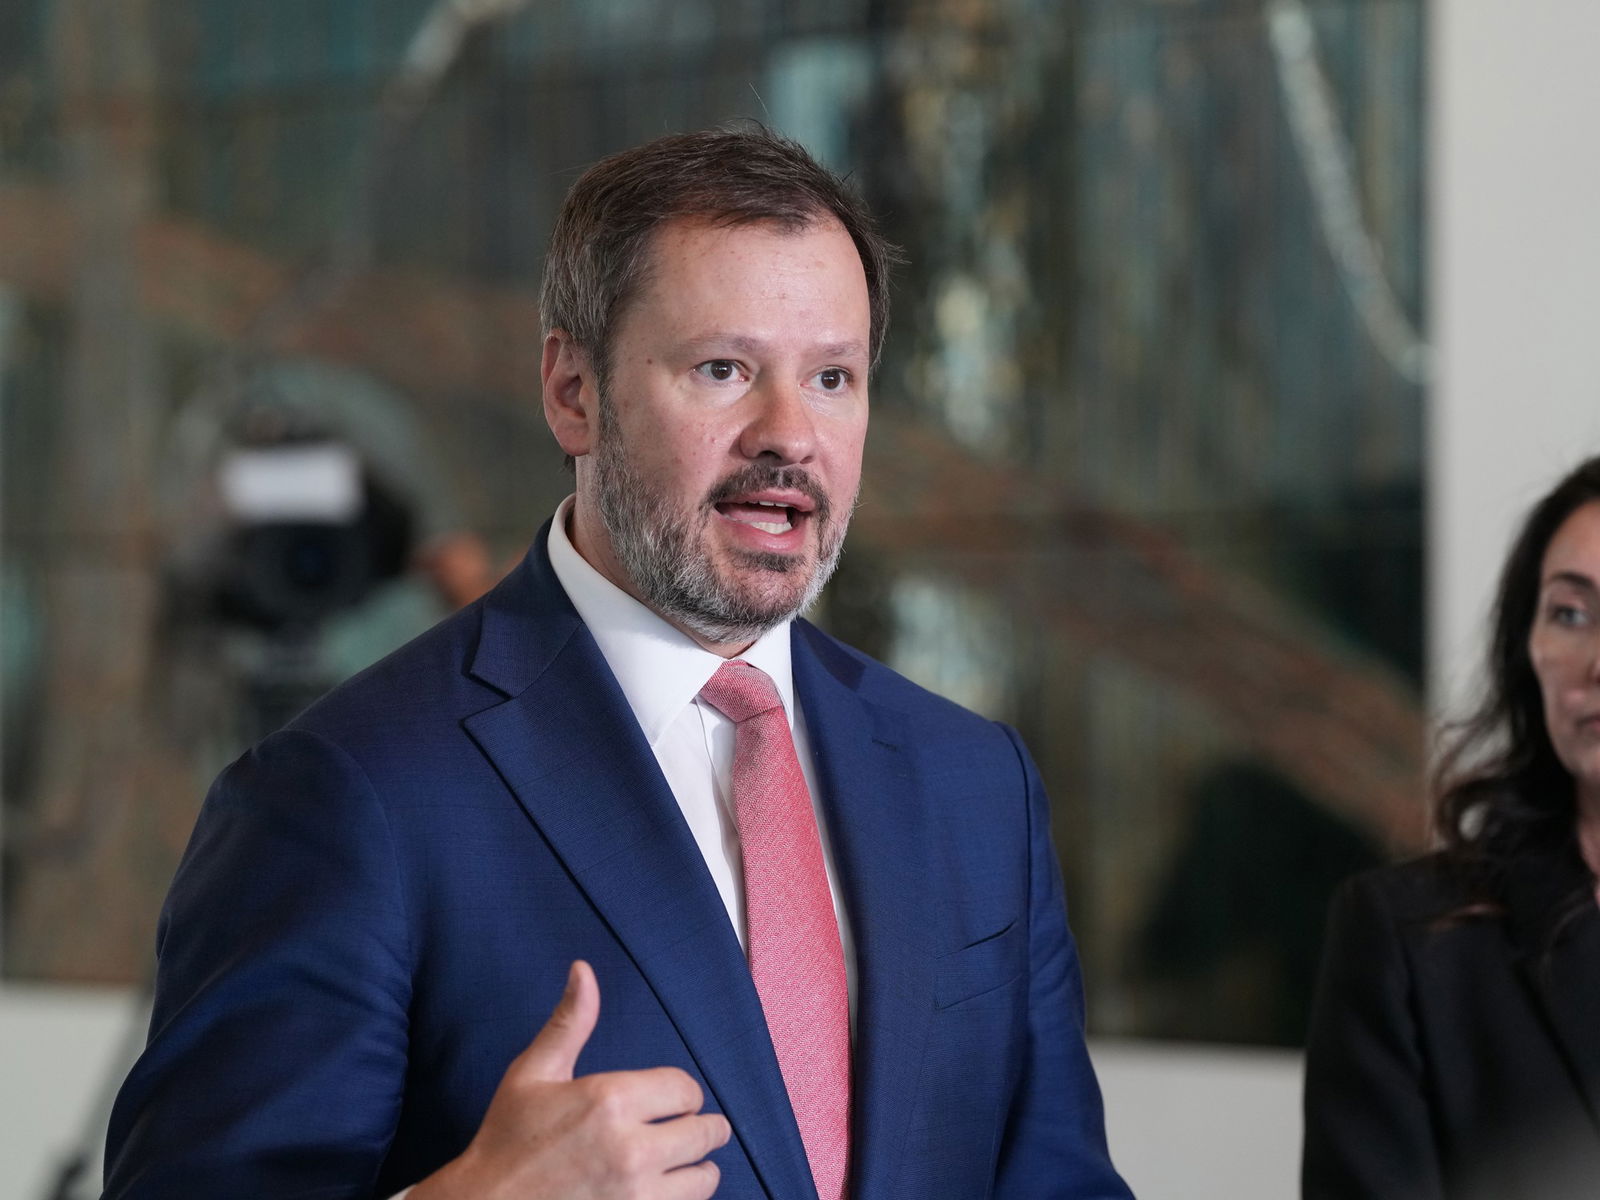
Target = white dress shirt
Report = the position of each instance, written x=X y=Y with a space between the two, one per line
x=661 y=670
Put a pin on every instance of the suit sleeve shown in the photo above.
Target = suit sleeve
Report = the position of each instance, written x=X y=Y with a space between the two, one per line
x=1053 y=1146
x=277 y=1052
x=1368 y=1131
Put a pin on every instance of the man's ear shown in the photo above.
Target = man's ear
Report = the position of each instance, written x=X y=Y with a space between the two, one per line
x=571 y=393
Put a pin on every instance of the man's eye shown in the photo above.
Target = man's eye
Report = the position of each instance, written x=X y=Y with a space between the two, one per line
x=720 y=369
x=833 y=379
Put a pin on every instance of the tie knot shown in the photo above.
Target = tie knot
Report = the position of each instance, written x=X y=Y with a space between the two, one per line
x=739 y=691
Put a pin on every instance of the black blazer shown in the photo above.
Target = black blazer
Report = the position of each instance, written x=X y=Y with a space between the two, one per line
x=1456 y=1058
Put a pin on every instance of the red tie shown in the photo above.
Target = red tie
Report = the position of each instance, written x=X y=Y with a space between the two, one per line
x=793 y=939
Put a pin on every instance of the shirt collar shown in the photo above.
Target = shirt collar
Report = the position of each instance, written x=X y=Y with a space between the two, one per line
x=661 y=668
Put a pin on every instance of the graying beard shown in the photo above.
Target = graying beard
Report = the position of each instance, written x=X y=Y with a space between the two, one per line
x=675 y=581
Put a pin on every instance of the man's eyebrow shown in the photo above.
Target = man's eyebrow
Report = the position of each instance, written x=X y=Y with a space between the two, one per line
x=713 y=343
x=738 y=343
x=849 y=349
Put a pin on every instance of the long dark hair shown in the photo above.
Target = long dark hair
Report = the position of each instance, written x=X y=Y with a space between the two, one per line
x=1501 y=791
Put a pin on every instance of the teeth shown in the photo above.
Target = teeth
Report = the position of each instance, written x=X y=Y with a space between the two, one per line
x=785 y=515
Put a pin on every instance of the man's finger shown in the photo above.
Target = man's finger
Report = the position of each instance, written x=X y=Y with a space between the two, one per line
x=697 y=1182
x=656 y=1093
x=553 y=1054
x=683 y=1141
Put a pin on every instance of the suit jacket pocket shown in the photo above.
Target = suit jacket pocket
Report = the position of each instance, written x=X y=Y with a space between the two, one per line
x=982 y=967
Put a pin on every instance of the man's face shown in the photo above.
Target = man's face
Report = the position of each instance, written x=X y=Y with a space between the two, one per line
x=728 y=445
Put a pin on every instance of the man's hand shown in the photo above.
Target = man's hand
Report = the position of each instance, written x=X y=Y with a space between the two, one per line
x=623 y=1134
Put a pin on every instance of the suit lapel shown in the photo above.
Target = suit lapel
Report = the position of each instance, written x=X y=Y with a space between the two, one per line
x=879 y=835
x=1560 y=961
x=568 y=747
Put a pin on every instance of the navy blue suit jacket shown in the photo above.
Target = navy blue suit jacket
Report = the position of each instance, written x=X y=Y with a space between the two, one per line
x=379 y=904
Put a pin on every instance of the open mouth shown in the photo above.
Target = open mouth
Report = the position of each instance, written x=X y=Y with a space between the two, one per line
x=769 y=516
x=773 y=507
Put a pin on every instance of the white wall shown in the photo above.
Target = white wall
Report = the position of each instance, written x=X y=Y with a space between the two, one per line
x=56 y=1047
x=1516 y=275
x=1202 y=1122
x=1515 y=288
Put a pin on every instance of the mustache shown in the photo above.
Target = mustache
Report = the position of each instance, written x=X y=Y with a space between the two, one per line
x=758 y=477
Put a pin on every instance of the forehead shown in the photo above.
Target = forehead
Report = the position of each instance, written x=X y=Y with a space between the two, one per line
x=1575 y=548
x=754 y=272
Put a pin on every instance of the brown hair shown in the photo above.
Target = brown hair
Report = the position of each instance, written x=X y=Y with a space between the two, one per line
x=732 y=175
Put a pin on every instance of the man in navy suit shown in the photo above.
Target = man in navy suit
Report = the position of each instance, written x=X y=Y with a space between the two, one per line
x=535 y=806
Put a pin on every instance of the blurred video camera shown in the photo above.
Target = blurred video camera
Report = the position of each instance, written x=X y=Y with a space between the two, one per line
x=310 y=532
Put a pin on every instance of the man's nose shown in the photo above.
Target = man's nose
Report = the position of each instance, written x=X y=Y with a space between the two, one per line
x=782 y=423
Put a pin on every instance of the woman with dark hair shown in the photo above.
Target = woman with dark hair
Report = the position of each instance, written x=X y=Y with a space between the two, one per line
x=1454 y=1050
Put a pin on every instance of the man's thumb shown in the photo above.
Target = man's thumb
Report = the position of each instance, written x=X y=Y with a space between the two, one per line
x=554 y=1052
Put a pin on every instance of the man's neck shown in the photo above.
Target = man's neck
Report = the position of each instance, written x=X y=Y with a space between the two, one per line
x=595 y=549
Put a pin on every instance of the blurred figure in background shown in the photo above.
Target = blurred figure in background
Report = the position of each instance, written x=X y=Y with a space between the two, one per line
x=1454 y=1051
x=458 y=566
